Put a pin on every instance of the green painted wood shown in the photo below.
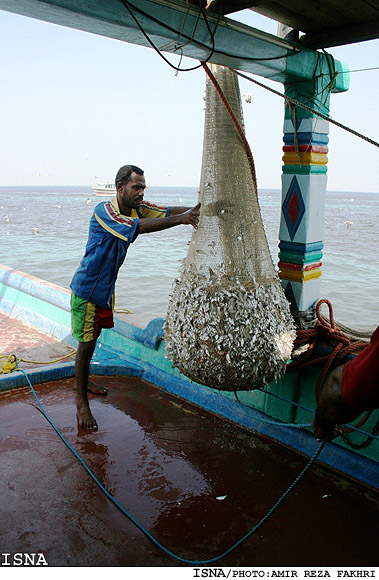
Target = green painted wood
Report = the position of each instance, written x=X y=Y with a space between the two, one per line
x=34 y=304
x=304 y=169
x=305 y=258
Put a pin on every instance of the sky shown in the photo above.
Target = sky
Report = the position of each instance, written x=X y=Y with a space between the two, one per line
x=76 y=106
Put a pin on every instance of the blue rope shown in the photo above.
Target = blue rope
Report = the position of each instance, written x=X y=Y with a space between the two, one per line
x=142 y=529
x=371 y=435
x=271 y=422
x=283 y=424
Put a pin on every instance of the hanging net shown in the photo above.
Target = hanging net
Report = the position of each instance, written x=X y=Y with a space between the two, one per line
x=228 y=324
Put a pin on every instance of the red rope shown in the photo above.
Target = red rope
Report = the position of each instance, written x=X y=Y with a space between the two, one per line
x=237 y=124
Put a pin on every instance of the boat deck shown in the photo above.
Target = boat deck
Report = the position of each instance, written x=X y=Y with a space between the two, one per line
x=30 y=346
x=196 y=482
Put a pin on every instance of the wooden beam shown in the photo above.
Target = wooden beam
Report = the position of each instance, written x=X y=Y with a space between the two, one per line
x=341 y=36
x=230 y=6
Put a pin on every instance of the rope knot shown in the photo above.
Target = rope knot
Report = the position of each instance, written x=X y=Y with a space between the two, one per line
x=9 y=365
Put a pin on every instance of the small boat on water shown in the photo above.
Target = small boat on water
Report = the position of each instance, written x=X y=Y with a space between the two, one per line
x=104 y=189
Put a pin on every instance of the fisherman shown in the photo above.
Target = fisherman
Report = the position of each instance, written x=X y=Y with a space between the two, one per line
x=114 y=225
x=351 y=389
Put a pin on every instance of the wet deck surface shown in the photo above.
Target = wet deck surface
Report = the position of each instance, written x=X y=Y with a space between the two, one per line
x=29 y=344
x=169 y=465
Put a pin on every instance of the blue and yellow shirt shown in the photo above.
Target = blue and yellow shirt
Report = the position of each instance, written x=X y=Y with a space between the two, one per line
x=110 y=234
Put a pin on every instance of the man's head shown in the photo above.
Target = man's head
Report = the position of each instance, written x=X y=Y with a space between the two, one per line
x=124 y=173
x=130 y=185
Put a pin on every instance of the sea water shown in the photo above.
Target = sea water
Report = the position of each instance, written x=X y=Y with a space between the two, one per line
x=43 y=232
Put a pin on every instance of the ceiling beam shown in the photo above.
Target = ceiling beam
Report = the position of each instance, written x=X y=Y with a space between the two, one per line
x=230 y=6
x=342 y=36
x=335 y=31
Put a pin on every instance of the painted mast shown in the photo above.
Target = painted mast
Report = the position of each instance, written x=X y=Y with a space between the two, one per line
x=304 y=181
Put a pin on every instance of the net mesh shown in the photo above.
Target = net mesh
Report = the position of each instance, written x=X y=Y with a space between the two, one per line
x=228 y=324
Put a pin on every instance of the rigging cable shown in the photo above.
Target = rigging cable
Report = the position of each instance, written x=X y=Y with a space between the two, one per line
x=131 y=7
x=358 y=70
x=300 y=104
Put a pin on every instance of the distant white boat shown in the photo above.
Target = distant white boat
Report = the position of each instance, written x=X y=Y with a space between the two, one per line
x=105 y=189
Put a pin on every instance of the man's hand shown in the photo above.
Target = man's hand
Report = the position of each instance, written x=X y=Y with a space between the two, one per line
x=324 y=430
x=188 y=216
x=191 y=216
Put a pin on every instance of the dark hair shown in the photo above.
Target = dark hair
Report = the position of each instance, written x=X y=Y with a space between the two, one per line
x=124 y=173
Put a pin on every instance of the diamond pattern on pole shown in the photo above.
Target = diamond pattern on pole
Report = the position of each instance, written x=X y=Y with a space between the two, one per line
x=293 y=207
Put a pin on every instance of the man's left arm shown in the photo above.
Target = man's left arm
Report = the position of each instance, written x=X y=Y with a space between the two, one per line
x=175 y=210
x=189 y=217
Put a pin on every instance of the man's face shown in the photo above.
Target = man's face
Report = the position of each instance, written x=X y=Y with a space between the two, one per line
x=130 y=194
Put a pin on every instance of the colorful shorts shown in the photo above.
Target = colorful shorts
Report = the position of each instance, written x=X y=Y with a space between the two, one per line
x=88 y=320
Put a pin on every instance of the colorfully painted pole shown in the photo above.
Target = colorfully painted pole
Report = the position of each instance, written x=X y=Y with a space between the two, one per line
x=304 y=181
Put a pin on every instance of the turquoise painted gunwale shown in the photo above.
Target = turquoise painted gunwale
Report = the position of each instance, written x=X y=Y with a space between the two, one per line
x=128 y=350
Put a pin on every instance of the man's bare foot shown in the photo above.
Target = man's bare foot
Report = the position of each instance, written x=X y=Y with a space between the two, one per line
x=96 y=389
x=85 y=418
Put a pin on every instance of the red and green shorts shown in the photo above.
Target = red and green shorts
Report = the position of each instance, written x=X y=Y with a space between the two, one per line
x=88 y=320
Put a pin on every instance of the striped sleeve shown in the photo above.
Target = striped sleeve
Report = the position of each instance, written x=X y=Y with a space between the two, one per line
x=151 y=210
x=118 y=225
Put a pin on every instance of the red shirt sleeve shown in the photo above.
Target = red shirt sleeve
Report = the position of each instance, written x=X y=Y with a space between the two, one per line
x=360 y=378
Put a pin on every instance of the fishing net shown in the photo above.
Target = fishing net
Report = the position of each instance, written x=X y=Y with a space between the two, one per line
x=228 y=324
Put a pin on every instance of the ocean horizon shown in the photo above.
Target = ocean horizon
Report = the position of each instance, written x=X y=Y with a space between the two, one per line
x=44 y=229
